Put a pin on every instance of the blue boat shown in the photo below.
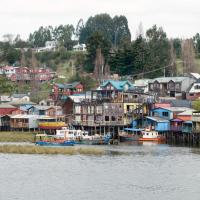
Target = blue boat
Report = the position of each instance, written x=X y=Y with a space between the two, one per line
x=55 y=143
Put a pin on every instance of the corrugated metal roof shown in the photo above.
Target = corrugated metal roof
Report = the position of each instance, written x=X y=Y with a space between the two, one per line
x=19 y=116
x=157 y=119
x=67 y=85
x=167 y=79
x=196 y=75
x=187 y=112
x=178 y=109
x=119 y=85
x=6 y=105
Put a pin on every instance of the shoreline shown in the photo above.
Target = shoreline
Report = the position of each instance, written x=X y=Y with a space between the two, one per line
x=34 y=149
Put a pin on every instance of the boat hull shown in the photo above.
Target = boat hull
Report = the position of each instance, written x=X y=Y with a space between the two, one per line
x=93 y=141
x=65 y=143
x=150 y=139
x=128 y=138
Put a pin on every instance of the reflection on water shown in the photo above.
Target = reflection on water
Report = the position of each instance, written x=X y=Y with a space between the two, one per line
x=137 y=171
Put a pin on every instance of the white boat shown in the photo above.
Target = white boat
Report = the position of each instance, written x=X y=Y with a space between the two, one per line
x=81 y=136
x=151 y=135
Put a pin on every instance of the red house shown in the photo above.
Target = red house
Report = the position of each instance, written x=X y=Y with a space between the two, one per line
x=61 y=91
x=6 y=109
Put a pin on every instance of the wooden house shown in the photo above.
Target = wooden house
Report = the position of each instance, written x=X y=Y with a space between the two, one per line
x=157 y=124
x=62 y=91
x=196 y=121
x=21 y=122
x=45 y=110
x=170 y=86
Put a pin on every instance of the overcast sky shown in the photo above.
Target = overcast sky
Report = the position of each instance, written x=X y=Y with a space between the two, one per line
x=179 y=18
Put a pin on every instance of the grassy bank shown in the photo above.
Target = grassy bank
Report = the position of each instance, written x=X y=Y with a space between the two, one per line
x=21 y=149
x=17 y=136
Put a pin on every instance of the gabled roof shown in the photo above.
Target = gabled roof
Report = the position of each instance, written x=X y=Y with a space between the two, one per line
x=119 y=85
x=67 y=85
x=167 y=79
x=21 y=102
x=46 y=107
x=6 y=105
x=175 y=109
x=195 y=75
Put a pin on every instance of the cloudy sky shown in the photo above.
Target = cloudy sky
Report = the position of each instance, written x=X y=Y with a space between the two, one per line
x=179 y=18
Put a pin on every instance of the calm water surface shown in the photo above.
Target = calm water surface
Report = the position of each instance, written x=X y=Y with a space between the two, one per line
x=156 y=172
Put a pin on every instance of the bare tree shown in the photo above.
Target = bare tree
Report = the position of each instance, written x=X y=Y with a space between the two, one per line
x=140 y=31
x=172 y=68
x=99 y=66
x=188 y=56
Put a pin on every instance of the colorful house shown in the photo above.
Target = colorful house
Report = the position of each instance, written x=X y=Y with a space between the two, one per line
x=157 y=124
x=116 y=85
x=6 y=109
x=20 y=122
x=62 y=91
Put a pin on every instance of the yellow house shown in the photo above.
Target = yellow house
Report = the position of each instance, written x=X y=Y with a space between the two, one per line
x=129 y=111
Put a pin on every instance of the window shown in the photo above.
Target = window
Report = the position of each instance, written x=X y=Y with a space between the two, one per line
x=197 y=87
x=191 y=94
x=113 y=118
x=106 y=118
x=165 y=114
x=151 y=86
x=177 y=86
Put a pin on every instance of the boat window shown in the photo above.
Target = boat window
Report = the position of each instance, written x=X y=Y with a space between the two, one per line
x=147 y=133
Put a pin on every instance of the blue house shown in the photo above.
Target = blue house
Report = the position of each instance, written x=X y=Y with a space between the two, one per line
x=163 y=113
x=158 y=124
x=116 y=85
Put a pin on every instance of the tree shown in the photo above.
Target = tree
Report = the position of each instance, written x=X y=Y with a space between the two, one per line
x=115 y=30
x=172 y=67
x=101 y=23
x=196 y=40
x=121 y=33
x=188 y=56
x=97 y=41
x=63 y=34
x=140 y=53
x=39 y=37
x=177 y=47
x=6 y=86
x=159 y=50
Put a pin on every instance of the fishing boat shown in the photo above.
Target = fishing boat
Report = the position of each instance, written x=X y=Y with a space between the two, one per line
x=55 y=143
x=130 y=134
x=151 y=135
x=53 y=140
x=82 y=136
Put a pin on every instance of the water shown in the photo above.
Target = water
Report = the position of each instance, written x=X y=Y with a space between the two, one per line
x=152 y=172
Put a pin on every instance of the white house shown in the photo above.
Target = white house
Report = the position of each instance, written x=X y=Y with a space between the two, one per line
x=20 y=97
x=79 y=47
x=49 y=46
